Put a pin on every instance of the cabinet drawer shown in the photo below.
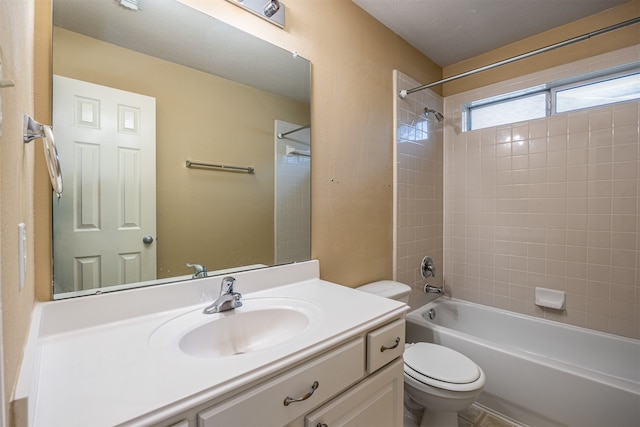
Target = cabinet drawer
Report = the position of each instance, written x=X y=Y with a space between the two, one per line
x=264 y=404
x=385 y=344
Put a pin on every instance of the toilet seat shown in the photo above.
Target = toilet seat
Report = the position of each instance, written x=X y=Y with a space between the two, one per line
x=442 y=367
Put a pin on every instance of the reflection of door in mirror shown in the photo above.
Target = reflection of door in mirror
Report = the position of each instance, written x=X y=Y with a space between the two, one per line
x=106 y=141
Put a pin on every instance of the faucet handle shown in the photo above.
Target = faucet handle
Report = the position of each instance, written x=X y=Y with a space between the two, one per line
x=236 y=300
x=428 y=268
x=227 y=285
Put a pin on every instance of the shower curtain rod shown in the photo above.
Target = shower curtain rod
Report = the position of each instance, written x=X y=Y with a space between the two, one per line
x=282 y=135
x=403 y=93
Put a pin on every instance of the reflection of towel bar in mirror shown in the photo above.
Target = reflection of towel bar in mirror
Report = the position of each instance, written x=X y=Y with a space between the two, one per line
x=227 y=168
x=34 y=130
x=283 y=134
x=291 y=151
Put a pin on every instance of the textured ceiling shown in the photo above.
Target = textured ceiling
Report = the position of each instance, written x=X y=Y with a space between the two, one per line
x=450 y=31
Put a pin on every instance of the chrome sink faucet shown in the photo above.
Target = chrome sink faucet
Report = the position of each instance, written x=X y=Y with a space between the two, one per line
x=227 y=300
x=198 y=270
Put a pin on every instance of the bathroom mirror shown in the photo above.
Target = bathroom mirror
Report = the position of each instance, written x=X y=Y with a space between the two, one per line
x=218 y=96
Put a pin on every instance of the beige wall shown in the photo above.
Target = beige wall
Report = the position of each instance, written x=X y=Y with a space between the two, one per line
x=201 y=118
x=16 y=180
x=601 y=44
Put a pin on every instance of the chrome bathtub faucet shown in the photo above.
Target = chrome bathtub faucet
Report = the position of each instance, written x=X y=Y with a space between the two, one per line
x=433 y=289
x=227 y=300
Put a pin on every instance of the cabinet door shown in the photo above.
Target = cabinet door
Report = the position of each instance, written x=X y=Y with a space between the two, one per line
x=376 y=401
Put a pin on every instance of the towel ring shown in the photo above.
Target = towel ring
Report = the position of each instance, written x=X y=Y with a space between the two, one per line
x=34 y=130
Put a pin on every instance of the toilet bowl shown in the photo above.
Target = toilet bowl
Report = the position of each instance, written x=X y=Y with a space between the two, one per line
x=436 y=378
x=442 y=381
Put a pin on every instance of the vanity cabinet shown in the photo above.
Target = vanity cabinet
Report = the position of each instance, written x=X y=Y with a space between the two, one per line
x=343 y=367
x=358 y=383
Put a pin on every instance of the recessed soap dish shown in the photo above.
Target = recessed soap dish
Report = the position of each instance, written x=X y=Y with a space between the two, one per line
x=550 y=298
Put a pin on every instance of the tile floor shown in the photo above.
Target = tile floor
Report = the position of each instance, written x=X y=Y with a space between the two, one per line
x=474 y=416
x=479 y=416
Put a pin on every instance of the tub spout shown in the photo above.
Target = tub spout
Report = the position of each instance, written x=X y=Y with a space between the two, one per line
x=433 y=289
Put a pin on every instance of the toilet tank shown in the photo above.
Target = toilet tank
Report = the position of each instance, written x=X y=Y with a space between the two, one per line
x=388 y=289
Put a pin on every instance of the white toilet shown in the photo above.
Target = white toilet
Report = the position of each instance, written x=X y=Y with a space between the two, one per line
x=437 y=378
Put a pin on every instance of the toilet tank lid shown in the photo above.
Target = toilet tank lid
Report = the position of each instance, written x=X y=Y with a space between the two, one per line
x=387 y=289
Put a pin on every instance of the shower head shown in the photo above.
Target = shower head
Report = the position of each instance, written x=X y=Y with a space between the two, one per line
x=439 y=117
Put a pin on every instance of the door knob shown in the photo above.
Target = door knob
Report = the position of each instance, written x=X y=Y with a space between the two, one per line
x=147 y=240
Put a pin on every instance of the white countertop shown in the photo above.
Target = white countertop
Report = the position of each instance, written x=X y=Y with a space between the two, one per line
x=92 y=361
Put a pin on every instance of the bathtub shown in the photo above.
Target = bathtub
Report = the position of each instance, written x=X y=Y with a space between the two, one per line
x=539 y=372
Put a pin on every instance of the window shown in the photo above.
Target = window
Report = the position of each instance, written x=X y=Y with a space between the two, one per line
x=597 y=93
x=526 y=107
x=560 y=97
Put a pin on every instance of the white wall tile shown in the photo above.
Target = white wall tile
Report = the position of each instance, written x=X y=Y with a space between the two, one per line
x=561 y=209
x=419 y=186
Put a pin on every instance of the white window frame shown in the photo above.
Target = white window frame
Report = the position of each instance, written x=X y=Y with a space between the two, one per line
x=550 y=89
x=555 y=89
x=509 y=98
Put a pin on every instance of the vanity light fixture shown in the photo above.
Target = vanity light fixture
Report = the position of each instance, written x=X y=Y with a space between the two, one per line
x=269 y=10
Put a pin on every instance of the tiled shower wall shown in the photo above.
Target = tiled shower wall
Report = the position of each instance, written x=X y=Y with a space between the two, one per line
x=418 y=191
x=547 y=203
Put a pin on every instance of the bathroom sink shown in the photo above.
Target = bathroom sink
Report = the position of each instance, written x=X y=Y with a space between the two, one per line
x=244 y=332
x=261 y=323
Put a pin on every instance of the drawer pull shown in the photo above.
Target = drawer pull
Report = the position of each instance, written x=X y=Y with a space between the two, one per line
x=289 y=400
x=321 y=425
x=384 y=347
